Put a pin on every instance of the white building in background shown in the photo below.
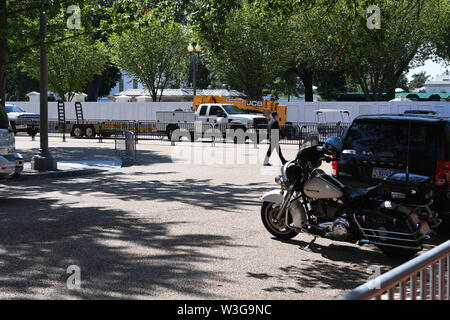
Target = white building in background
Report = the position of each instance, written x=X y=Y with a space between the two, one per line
x=439 y=84
x=173 y=95
x=125 y=83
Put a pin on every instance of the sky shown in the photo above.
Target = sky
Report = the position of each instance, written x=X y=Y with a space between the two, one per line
x=430 y=67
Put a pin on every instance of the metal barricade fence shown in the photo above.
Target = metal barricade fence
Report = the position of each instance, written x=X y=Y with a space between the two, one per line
x=292 y=133
x=425 y=277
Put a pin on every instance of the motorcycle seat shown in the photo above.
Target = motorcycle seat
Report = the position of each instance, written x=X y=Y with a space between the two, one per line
x=356 y=194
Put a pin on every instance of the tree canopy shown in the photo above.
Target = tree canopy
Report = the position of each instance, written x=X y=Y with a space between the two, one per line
x=154 y=54
x=71 y=65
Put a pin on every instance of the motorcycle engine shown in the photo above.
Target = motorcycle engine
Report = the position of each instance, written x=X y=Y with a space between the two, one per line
x=339 y=229
x=325 y=210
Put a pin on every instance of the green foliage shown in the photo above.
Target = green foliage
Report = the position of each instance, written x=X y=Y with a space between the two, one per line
x=109 y=78
x=18 y=84
x=154 y=54
x=441 y=38
x=377 y=58
x=418 y=80
x=248 y=49
x=71 y=64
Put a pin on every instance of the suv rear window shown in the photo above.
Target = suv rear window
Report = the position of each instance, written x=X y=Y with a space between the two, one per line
x=390 y=139
x=4 y=123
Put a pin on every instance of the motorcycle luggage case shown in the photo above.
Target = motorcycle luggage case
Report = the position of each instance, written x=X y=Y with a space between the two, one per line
x=416 y=191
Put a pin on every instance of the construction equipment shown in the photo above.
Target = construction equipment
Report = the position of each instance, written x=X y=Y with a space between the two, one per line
x=265 y=107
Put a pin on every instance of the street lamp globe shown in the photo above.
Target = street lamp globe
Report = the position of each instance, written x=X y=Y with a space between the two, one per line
x=198 y=48
x=190 y=48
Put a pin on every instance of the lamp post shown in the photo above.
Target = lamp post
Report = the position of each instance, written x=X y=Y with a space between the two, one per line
x=194 y=54
x=43 y=161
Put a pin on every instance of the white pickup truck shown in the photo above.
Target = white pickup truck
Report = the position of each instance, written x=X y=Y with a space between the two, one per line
x=230 y=117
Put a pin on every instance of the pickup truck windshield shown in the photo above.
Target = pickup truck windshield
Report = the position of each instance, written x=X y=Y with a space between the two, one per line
x=13 y=109
x=230 y=109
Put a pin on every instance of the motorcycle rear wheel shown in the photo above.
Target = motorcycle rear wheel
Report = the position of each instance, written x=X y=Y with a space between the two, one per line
x=268 y=212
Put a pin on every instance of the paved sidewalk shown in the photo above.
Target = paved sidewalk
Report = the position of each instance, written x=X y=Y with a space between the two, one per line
x=74 y=157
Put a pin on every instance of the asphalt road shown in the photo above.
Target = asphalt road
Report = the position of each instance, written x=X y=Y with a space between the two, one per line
x=183 y=223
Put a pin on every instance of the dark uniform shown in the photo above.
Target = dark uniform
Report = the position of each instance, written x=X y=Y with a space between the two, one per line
x=274 y=145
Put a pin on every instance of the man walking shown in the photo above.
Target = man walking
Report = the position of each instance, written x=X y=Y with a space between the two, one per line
x=274 y=141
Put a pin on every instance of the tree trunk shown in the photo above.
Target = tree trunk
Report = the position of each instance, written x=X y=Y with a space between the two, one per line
x=93 y=88
x=4 y=52
x=307 y=78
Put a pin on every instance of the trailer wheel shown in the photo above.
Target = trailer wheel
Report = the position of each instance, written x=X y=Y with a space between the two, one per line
x=90 y=132
x=77 y=131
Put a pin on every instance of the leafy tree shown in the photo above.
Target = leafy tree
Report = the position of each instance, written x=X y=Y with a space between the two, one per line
x=377 y=58
x=288 y=84
x=330 y=82
x=441 y=38
x=19 y=25
x=250 y=50
x=18 y=84
x=153 y=54
x=418 y=80
x=71 y=65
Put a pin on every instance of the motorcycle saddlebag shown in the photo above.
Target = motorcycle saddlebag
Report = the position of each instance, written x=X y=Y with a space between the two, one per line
x=417 y=190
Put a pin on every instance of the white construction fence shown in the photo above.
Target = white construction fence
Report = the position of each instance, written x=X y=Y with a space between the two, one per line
x=297 y=111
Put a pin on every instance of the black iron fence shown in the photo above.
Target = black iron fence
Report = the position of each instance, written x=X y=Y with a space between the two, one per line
x=291 y=133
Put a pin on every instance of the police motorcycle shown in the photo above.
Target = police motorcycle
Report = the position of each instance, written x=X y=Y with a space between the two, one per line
x=394 y=215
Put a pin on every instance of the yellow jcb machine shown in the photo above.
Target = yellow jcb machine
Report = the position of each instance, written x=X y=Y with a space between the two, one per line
x=265 y=107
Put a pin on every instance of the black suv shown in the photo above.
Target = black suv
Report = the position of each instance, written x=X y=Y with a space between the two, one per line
x=375 y=146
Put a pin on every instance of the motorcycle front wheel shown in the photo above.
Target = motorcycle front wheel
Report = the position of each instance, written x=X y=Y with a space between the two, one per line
x=269 y=211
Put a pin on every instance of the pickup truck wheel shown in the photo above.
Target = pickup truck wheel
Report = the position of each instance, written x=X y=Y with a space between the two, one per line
x=170 y=131
x=236 y=129
x=32 y=132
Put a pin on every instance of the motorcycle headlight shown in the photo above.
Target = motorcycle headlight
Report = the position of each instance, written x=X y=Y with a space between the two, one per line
x=291 y=172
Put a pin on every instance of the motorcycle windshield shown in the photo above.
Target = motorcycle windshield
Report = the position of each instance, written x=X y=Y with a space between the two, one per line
x=311 y=140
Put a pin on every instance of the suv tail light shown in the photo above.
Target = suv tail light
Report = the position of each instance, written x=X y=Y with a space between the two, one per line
x=334 y=166
x=442 y=172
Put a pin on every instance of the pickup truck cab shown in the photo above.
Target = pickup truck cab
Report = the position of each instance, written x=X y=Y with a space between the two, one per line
x=207 y=113
x=223 y=116
x=22 y=121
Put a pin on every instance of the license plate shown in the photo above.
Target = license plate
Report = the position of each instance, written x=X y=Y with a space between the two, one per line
x=381 y=173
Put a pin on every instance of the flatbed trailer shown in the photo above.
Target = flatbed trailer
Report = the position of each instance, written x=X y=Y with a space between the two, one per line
x=90 y=128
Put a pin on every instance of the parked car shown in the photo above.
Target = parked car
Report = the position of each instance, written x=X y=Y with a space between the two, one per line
x=376 y=146
x=22 y=121
x=11 y=163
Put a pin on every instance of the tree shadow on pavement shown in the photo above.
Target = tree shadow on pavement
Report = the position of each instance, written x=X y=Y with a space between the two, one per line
x=144 y=157
x=120 y=255
x=117 y=185
x=345 y=268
